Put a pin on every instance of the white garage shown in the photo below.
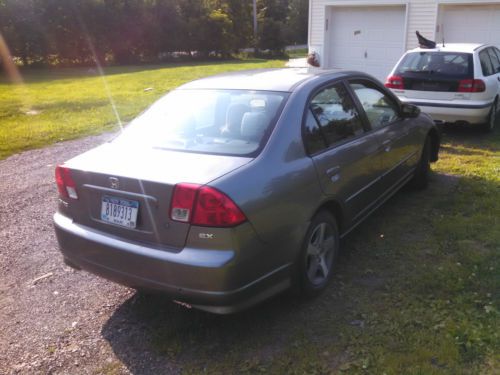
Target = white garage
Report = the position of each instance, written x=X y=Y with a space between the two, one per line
x=369 y=39
x=469 y=23
x=371 y=35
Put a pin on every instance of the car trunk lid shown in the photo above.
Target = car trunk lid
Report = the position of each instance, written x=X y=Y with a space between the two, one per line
x=127 y=194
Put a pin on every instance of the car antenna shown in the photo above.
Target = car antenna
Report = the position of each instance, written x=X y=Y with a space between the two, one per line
x=442 y=32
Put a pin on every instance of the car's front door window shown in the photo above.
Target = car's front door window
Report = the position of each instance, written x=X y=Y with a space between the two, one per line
x=314 y=138
x=379 y=108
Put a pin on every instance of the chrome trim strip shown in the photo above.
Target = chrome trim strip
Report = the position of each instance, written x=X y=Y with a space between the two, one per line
x=370 y=184
x=462 y=106
x=123 y=192
x=406 y=158
x=380 y=177
x=395 y=188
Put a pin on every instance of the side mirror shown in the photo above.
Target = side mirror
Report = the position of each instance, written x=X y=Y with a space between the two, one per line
x=410 y=110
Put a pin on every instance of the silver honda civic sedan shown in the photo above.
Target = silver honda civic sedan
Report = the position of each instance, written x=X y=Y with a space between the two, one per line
x=233 y=188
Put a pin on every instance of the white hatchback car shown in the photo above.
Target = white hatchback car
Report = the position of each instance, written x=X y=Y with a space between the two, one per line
x=453 y=83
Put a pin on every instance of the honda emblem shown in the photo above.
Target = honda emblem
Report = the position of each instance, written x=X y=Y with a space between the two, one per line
x=114 y=183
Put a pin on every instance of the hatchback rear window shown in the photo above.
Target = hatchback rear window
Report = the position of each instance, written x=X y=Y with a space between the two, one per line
x=224 y=122
x=444 y=64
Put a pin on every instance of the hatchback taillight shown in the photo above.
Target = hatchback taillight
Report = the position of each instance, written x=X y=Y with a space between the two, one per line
x=65 y=183
x=394 y=82
x=471 y=85
x=205 y=206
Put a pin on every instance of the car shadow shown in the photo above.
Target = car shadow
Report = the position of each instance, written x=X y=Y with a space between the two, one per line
x=150 y=334
x=465 y=134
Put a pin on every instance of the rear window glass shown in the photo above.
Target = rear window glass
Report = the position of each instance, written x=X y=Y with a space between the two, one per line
x=227 y=122
x=451 y=64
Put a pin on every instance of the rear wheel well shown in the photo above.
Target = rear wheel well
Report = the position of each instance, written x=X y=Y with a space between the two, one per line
x=334 y=209
x=434 y=138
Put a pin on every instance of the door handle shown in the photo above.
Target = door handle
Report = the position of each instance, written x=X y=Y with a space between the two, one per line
x=386 y=145
x=333 y=170
x=333 y=173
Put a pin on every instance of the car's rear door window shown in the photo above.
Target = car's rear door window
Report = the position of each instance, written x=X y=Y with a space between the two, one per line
x=314 y=138
x=497 y=52
x=495 y=60
x=486 y=65
x=332 y=118
x=380 y=109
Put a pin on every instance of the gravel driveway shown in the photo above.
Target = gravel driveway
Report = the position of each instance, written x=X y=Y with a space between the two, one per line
x=51 y=317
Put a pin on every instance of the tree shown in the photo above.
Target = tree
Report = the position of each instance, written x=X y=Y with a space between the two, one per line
x=272 y=18
x=73 y=32
x=297 y=21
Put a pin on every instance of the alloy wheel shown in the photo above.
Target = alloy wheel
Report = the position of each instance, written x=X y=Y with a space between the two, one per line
x=320 y=253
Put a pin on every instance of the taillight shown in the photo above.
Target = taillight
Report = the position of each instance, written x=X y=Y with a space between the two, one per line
x=183 y=199
x=394 y=82
x=471 y=85
x=205 y=206
x=65 y=183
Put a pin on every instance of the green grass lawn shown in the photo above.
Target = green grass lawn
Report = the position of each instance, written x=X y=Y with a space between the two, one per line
x=297 y=53
x=57 y=105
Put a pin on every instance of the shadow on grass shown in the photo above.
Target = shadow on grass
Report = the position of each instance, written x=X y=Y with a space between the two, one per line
x=172 y=336
x=32 y=75
x=472 y=136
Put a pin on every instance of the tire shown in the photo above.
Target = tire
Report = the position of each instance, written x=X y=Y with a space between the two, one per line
x=420 y=178
x=492 y=118
x=318 y=255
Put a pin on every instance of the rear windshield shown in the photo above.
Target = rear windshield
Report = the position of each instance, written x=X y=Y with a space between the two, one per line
x=452 y=64
x=224 y=122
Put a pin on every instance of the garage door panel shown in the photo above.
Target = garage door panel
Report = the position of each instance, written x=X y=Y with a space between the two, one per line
x=380 y=53
x=369 y=39
x=470 y=24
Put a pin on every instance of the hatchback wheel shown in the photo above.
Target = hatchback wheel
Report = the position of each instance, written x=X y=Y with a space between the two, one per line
x=319 y=252
x=492 y=118
x=420 y=178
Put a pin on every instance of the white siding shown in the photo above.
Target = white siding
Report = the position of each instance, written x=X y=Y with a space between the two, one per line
x=422 y=16
x=317 y=29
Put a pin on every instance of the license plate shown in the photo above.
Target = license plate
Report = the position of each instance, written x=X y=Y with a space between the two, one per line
x=119 y=211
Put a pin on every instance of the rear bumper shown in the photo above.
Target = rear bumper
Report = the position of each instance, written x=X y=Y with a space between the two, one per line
x=471 y=112
x=206 y=279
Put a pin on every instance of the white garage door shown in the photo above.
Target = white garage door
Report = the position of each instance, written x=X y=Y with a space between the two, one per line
x=470 y=24
x=369 y=39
